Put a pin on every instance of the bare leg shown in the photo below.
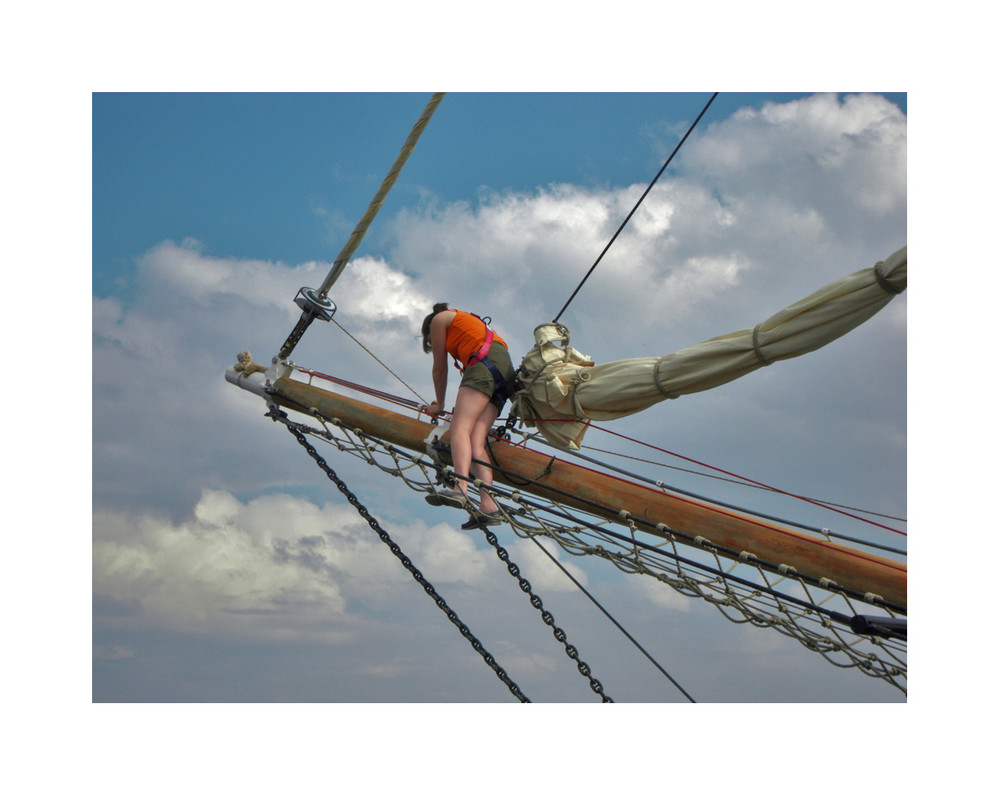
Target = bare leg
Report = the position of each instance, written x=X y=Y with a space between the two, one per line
x=470 y=405
x=483 y=471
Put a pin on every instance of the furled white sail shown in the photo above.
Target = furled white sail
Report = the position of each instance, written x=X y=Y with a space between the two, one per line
x=564 y=390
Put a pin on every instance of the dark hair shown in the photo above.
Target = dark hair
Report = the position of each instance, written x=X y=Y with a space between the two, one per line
x=425 y=330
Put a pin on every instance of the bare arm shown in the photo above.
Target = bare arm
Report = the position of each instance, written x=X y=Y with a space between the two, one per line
x=439 y=370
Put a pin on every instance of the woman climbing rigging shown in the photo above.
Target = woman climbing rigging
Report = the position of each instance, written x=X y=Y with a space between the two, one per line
x=487 y=380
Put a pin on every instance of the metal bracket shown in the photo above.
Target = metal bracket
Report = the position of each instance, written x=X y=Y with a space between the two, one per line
x=308 y=300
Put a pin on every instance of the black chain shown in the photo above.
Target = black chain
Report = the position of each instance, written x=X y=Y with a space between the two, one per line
x=547 y=617
x=296 y=429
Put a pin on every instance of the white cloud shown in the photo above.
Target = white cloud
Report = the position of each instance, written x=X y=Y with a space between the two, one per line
x=187 y=272
x=273 y=566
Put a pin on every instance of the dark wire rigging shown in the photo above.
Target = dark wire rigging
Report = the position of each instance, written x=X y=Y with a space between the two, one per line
x=632 y=212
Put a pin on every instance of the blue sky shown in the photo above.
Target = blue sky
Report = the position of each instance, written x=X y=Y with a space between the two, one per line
x=173 y=166
x=211 y=210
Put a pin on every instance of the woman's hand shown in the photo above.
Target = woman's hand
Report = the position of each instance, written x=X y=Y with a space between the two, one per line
x=434 y=409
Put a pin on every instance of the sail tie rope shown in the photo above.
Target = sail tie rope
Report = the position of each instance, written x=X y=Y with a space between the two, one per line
x=756 y=346
x=884 y=283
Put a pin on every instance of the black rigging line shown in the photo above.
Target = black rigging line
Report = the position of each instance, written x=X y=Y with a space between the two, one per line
x=628 y=635
x=631 y=213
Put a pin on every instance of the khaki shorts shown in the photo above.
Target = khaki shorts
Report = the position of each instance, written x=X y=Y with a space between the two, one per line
x=479 y=378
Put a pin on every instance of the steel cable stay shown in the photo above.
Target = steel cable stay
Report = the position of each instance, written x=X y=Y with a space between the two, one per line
x=614 y=621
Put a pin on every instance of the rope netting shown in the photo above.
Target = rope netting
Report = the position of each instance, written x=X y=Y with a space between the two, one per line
x=745 y=590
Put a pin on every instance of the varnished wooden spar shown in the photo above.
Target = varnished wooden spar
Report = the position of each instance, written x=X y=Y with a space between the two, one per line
x=580 y=487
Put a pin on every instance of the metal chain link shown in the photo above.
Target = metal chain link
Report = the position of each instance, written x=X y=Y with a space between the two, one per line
x=295 y=428
x=547 y=617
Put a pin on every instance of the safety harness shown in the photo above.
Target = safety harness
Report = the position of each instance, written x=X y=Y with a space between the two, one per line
x=500 y=393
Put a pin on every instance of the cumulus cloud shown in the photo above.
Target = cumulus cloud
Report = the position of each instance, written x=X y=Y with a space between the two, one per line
x=274 y=566
x=185 y=270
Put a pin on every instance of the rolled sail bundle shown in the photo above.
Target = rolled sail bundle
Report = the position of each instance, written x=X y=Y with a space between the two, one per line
x=563 y=390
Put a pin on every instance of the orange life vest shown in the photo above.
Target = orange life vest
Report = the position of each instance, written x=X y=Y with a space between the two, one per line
x=466 y=335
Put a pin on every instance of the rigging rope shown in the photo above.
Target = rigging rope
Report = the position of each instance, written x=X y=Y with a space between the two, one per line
x=372 y=355
x=826 y=532
x=390 y=179
x=632 y=212
x=738 y=480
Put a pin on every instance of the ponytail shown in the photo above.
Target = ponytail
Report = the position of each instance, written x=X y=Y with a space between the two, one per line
x=425 y=330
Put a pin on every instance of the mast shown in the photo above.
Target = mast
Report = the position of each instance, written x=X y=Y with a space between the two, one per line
x=605 y=495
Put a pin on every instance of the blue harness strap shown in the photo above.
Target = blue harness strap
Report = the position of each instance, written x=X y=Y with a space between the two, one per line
x=500 y=394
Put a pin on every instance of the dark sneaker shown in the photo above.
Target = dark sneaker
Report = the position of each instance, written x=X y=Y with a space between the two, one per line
x=481 y=520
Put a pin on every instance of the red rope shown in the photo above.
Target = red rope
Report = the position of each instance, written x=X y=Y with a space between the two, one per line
x=751 y=481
